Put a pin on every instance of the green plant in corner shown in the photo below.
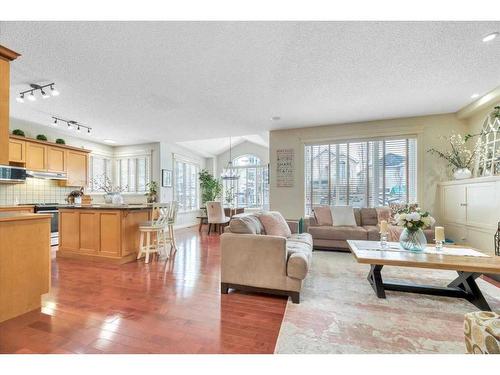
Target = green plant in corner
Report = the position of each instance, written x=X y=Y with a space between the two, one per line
x=41 y=137
x=211 y=188
x=60 y=141
x=152 y=193
x=18 y=132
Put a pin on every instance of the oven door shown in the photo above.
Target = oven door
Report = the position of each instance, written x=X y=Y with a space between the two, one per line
x=54 y=225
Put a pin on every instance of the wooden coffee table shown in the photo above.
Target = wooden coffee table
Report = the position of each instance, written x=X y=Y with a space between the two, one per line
x=469 y=268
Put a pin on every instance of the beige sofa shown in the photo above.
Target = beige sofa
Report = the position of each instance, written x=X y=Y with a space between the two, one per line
x=335 y=238
x=256 y=262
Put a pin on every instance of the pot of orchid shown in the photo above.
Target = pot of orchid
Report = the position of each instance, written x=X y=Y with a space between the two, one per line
x=413 y=220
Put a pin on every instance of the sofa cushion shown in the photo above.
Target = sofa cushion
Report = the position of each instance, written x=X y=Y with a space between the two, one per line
x=369 y=216
x=274 y=224
x=323 y=215
x=245 y=224
x=343 y=216
x=373 y=232
x=339 y=233
x=298 y=259
x=302 y=237
x=383 y=213
x=357 y=216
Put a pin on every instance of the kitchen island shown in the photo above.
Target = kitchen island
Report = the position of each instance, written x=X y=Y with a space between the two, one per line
x=101 y=232
x=24 y=262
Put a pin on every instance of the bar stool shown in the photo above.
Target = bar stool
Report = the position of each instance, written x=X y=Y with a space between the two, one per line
x=168 y=235
x=156 y=226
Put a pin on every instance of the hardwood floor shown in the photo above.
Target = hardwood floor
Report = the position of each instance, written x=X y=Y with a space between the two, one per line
x=161 y=307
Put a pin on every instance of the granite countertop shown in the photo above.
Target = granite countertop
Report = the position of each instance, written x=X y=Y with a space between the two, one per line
x=16 y=216
x=108 y=206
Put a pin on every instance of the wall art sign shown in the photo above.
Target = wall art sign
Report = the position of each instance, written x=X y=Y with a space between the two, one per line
x=285 y=167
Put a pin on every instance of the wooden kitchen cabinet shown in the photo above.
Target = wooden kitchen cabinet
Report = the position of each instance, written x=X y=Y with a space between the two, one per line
x=77 y=168
x=56 y=159
x=17 y=151
x=101 y=234
x=36 y=156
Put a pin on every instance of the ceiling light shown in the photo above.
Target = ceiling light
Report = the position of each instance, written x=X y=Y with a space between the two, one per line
x=474 y=96
x=35 y=87
x=109 y=141
x=490 y=37
x=54 y=91
x=20 y=99
x=275 y=118
x=72 y=125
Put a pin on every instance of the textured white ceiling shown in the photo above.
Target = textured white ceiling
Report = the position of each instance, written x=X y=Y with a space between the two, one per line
x=182 y=81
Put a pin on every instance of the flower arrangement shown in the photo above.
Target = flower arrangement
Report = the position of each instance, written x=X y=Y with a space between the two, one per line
x=414 y=219
x=460 y=156
x=104 y=184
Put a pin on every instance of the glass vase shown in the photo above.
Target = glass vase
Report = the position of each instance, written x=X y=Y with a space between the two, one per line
x=413 y=240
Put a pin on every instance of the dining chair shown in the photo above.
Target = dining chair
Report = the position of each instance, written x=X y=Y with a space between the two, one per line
x=216 y=216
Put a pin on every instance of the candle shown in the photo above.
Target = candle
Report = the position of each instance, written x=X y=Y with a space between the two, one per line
x=439 y=233
x=383 y=226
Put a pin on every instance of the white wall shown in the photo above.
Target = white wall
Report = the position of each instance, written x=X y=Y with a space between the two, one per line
x=429 y=129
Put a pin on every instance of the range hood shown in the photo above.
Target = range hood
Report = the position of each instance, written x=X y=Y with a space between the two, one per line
x=47 y=175
x=12 y=175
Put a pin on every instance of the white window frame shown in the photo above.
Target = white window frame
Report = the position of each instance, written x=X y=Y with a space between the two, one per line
x=186 y=161
x=108 y=160
x=134 y=160
x=415 y=174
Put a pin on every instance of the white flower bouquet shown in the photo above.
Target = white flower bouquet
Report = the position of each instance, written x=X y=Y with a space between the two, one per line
x=414 y=219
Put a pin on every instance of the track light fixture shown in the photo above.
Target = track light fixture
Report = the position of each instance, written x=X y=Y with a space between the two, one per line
x=71 y=124
x=34 y=87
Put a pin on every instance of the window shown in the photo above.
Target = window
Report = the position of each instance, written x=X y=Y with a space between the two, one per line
x=186 y=185
x=361 y=174
x=99 y=171
x=252 y=187
x=133 y=174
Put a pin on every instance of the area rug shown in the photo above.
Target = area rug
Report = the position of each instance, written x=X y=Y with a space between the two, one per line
x=340 y=313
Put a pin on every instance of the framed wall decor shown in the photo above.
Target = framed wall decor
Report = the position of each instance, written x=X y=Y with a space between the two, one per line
x=285 y=167
x=166 y=178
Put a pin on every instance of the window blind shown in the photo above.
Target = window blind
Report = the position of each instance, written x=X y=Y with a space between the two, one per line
x=186 y=185
x=361 y=173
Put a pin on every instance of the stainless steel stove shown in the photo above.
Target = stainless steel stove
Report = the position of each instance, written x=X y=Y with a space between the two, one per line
x=52 y=209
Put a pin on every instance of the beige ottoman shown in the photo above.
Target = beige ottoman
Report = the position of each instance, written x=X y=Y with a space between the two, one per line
x=482 y=332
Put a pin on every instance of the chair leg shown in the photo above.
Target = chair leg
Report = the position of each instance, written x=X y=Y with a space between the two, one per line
x=172 y=238
x=209 y=226
x=148 y=246
x=141 y=246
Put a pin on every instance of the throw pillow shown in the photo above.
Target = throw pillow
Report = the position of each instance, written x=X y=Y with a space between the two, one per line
x=323 y=215
x=384 y=213
x=275 y=224
x=245 y=224
x=343 y=216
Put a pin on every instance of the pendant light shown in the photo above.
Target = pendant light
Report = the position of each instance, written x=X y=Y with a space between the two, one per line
x=229 y=173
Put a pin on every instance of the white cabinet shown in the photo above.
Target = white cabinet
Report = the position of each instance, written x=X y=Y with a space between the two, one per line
x=470 y=211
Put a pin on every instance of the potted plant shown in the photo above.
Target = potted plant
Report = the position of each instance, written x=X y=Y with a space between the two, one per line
x=459 y=157
x=18 y=132
x=152 y=193
x=60 y=141
x=211 y=188
x=41 y=137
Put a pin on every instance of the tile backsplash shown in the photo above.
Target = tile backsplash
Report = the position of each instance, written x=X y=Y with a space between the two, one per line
x=34 y=190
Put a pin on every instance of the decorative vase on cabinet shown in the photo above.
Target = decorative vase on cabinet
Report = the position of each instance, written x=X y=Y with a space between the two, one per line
x=462 y=174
